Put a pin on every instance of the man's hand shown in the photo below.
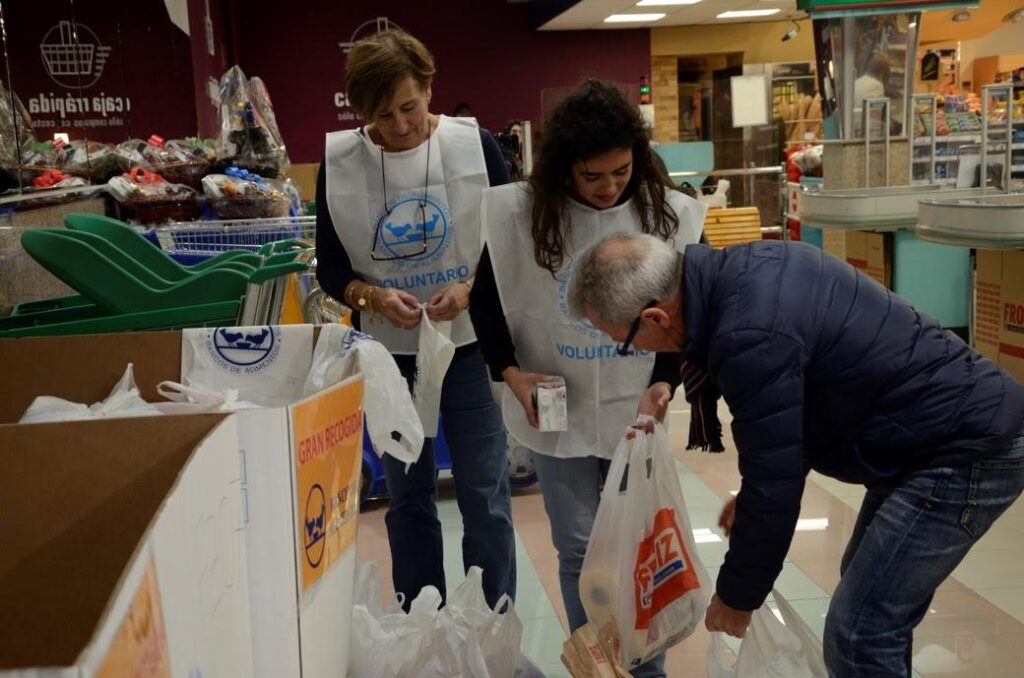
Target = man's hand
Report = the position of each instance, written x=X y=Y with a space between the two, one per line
x=522 y=385
x=654 y=401
x=728 y=516
x=721 y=617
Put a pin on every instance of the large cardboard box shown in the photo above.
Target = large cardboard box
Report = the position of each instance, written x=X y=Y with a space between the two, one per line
x=988 y=305
x=1011 y=327
x=871 y=253
x=298 y=483
x=123 y=553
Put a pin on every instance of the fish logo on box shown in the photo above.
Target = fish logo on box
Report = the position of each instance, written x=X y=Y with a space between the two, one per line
x=663 y=572
x=316 y=510
x=247 y=347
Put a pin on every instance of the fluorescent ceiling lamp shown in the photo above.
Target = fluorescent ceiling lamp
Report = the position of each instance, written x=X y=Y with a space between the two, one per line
x=662 y=3
x=745 y=13
x=809 y=524
x=630 y=18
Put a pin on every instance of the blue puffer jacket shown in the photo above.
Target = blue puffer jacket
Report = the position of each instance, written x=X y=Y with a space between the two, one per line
x=825 y=369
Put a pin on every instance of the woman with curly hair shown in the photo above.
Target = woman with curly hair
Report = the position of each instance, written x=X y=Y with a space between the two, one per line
x=595 y=175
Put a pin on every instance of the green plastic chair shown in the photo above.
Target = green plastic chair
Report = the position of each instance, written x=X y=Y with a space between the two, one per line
x=115 y=290
x=219 y=314
x=146 y=253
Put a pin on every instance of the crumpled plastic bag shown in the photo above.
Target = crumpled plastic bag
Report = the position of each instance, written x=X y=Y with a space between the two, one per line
x=771 y=648
x=436 y=350
x=189 y=400
x=391 y=420
x=465 y=638
x=124 y=401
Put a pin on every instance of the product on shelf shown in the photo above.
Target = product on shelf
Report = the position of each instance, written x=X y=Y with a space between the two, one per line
x=240 y=194
x=802 y=117
x=147 y=198
x=15 y=127
x=90 y=159
x=54 y=178
x=248 y=136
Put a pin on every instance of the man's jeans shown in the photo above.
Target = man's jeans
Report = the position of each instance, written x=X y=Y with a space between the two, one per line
x=572 y=491
x=476 y=438
x=907 y=540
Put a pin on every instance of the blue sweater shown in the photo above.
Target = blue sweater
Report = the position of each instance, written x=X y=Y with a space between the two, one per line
x=825 y=369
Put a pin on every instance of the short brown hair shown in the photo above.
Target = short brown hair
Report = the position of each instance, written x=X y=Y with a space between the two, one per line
x=378 y=63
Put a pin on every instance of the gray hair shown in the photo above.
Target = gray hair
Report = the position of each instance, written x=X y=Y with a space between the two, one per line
x=620 y=274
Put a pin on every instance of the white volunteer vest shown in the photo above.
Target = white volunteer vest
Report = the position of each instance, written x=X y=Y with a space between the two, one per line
x=450 y=217
x=602 y=388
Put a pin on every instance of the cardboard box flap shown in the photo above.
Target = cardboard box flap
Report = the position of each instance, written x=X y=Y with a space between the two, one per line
x=76 y=499
x=83 y=368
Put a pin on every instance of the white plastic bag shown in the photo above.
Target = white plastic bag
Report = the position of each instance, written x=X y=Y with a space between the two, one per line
x=187 y=400
x=465 y=639
x=124 y=401
x=436 y=351
x=267 y=365
x=771 y=648
x=499 y=635
x=641 y=573
x=391 y=420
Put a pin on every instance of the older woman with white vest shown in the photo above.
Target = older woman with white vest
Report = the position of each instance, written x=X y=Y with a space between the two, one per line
x=398 y=235
x=596 y=175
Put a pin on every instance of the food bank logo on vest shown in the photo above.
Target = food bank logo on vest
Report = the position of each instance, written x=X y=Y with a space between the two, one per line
x=663 y=572
x=414 y=230
x=248 y=349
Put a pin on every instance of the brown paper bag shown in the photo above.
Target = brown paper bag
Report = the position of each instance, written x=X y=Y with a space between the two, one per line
x=585 y=654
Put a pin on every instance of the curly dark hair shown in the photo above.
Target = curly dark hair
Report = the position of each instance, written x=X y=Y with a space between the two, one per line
x=594 y=119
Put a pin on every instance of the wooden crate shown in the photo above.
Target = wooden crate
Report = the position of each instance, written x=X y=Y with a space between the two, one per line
x=734 y=226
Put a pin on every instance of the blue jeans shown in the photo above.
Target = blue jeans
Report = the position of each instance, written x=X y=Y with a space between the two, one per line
x=476 y=438
x=907 y=540
x=572 y=491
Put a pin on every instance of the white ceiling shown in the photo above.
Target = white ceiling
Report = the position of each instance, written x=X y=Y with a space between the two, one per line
x=591 y=13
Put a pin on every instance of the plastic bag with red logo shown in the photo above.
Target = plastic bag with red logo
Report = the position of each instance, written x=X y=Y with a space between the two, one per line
x=641 y=573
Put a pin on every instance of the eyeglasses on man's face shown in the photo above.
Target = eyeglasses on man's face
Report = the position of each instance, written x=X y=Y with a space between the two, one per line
x=624 y=349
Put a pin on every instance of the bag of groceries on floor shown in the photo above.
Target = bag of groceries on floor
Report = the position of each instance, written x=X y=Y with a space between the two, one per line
x=771 y=648
x=465 y=638
x=641 y=573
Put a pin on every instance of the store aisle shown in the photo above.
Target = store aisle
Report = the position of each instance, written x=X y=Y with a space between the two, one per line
x=974 y=628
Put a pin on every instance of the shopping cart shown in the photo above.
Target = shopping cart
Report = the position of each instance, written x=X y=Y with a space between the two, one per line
x=195 y=241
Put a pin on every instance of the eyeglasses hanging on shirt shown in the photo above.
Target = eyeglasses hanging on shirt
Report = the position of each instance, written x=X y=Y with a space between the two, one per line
x=407 y=240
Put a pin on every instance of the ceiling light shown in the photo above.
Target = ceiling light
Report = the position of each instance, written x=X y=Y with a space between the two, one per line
x=1014 y=17
x=791 y=32
x=661 y=3
x=744 y=13
x=962 y=15
x=631 y=18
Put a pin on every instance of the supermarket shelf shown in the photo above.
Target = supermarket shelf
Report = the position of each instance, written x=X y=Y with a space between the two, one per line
x=949 y=139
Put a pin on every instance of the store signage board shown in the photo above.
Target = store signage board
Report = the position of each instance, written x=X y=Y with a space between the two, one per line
x=826 y=9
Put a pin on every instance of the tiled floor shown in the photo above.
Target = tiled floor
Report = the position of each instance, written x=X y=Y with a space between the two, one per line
x=974 y=629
